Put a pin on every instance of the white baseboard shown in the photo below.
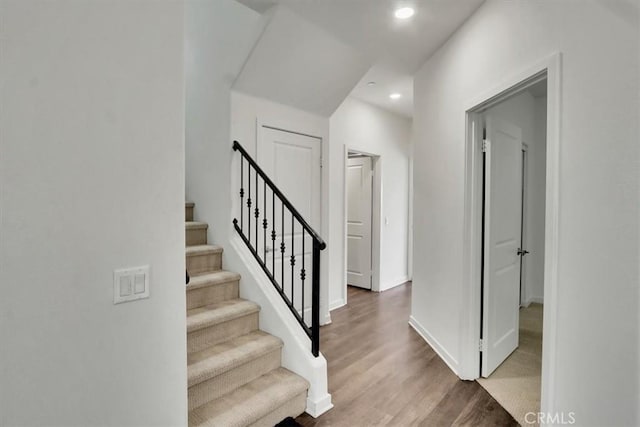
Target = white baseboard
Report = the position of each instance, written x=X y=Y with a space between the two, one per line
x=336 y=304
x=437 y=347
x=326 y=319
x=319 y=406
x=534 y=300
x=393 y=283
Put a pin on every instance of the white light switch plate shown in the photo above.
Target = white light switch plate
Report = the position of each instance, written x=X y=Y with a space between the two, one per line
x=130 y=284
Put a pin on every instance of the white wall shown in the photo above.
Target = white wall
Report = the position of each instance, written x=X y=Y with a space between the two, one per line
x=597 y=369
x=300 y=64
x=219 y=35
x=246 y=111
x=275 y=317
x=366 y=128
x=529 y=114
x=91 y=180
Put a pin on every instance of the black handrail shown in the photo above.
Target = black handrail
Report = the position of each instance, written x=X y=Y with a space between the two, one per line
x=298 y=310
x=276 y=190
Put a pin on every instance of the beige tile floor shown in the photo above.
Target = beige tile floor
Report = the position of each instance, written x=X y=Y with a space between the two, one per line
x=516 y=383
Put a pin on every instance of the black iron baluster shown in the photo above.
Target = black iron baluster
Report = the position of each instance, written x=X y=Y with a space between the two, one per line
x=312 y=329
x=293 y=262
x=241 y=192
x=315 y=300
x=265 y=223
x=249 y=205
x=273 y=234
x=302 y=275
x=282 y=250
x=257 y=213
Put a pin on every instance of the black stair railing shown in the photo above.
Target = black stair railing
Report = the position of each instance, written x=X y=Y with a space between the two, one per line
x=282 y=242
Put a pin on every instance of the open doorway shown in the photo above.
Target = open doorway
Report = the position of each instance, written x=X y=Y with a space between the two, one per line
x=513 y=181
x=362 y=219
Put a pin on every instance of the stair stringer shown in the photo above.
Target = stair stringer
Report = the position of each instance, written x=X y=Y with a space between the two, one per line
x=276 y=319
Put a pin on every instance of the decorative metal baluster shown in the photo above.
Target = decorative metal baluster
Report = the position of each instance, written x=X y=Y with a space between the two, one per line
x=273 y=234
x=249 y=205
x=282 y=250
x=315 y=300
x=293 y=262
x=302 y=275
x=241 y=192
x=312 y=329
x=257 y=213
x=265 y=223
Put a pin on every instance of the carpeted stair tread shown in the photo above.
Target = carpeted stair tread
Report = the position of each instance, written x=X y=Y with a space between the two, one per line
x=213 y=314
x=195 y=225
x=212 y=279
x=203 y=249
x=230 y=354
x=251 y=402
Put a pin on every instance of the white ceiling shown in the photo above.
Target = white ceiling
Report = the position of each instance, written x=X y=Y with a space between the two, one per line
x=396 y=48
x=294 y=63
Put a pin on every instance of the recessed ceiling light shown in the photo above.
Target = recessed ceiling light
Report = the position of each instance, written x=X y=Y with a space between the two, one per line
x=371 y=83
x=395 y=95
x=404 y=12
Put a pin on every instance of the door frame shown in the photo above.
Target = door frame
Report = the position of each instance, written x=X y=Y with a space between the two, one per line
x=353 y=155
x=376 y=216
x=523 y=225
x=549 y=68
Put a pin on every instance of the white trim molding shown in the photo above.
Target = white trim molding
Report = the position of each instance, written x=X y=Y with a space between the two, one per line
x=390 y=284
x=376 y=219
x=337 y=304
x=317 y=407
x=550 y=68
x=435 y=345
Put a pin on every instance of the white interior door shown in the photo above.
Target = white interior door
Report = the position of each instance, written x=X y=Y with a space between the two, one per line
x=359 y=183
x=502 y=228
x=292 y=161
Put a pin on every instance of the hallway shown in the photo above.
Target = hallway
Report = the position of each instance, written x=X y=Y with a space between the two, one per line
x=382 y=373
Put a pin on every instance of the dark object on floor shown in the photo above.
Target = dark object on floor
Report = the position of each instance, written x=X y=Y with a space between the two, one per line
x=187 y=276
x=288 y=422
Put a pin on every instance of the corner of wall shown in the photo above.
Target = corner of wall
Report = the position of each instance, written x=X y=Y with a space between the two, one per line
x=435 y=344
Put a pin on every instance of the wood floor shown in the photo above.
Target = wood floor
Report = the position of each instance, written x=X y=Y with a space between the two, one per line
x=381 y=372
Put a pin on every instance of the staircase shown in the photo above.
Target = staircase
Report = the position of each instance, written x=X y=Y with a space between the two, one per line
x=235 y=377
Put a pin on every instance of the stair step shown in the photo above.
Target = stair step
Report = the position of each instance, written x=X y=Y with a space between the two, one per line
x=222 y=368
x=196 y=233
x=211 y=288
x=203 y=259
x=215 y=323
x=188 y=211
x=264 y=401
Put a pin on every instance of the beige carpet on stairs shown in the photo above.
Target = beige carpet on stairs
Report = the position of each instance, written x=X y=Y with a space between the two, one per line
x=516 y=383
x=235 y=377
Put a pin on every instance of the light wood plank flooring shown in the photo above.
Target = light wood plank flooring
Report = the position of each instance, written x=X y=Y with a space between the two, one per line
x=381 y=372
